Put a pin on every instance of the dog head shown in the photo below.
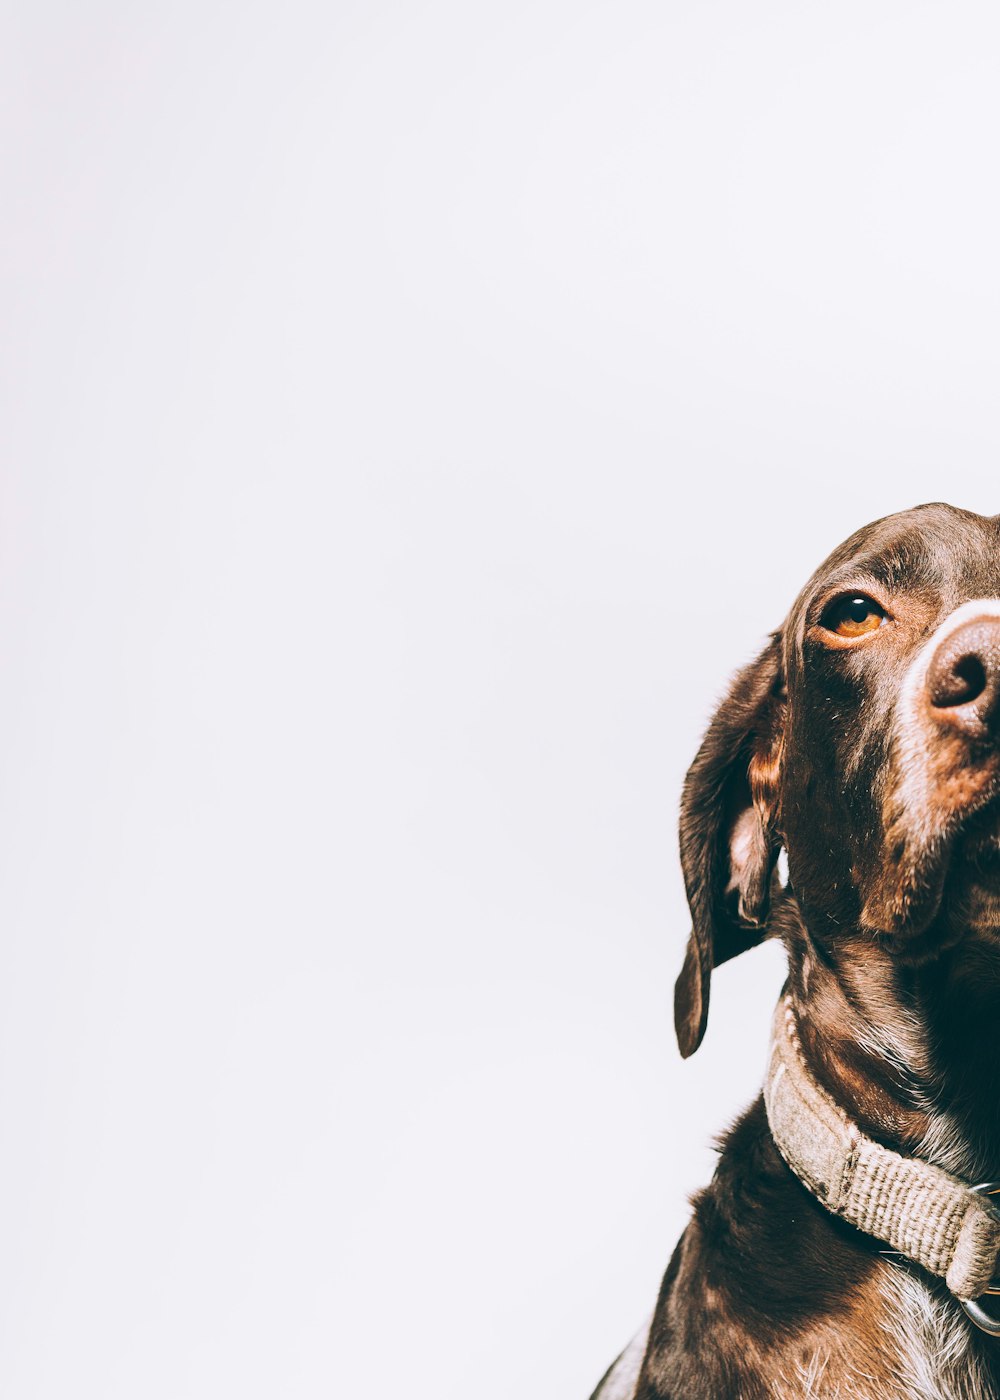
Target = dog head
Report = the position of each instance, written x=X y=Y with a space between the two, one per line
x=865 y=741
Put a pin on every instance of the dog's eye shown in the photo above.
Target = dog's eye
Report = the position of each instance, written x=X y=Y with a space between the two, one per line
x=853 y=616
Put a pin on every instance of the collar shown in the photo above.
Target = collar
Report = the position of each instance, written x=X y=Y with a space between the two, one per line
x=918 y=1210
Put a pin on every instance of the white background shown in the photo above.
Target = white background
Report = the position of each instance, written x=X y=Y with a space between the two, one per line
x=411 y=415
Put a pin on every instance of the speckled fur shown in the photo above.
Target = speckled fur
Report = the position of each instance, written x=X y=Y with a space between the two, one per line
x=828 y=755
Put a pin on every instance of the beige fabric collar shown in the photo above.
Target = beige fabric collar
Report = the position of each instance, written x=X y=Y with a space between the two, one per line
x=915 y=1208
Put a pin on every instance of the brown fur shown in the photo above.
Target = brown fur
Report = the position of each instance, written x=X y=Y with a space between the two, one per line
x=890 y=817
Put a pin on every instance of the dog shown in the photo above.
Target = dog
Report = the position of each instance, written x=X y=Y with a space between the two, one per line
x=864 y=742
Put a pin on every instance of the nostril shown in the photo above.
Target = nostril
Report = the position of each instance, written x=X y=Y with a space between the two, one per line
x=964 y=680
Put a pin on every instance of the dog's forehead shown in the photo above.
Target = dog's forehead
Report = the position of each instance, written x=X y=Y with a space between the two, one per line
x=937 y=549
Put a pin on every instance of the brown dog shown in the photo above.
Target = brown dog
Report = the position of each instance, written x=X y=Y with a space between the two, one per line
x=865 y=741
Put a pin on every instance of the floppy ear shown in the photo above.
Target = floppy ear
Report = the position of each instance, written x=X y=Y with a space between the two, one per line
x=729 y=834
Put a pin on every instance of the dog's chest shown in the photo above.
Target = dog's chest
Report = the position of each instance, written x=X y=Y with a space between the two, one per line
x=907 y=1340
x=938 y=1354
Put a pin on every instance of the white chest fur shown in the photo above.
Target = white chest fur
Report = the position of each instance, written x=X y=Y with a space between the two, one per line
x=938 y=1350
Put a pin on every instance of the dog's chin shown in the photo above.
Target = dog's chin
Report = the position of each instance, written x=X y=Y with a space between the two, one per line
x=972 y=889
x=950 y=888
x=966 y=875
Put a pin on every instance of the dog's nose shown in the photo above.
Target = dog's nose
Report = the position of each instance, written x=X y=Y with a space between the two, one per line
x=963 y=679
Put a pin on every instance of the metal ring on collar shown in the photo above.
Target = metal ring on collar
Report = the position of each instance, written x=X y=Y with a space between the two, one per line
x=983 y=1320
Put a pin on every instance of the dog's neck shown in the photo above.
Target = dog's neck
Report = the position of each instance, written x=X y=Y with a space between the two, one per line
x=910 y=1052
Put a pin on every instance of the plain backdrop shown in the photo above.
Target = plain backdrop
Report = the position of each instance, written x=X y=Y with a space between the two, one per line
x=411 y=415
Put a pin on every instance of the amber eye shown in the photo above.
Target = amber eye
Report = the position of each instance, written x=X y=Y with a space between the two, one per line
x=853 y=615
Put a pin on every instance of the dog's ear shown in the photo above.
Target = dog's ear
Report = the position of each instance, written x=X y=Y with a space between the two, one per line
x=729 y=833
